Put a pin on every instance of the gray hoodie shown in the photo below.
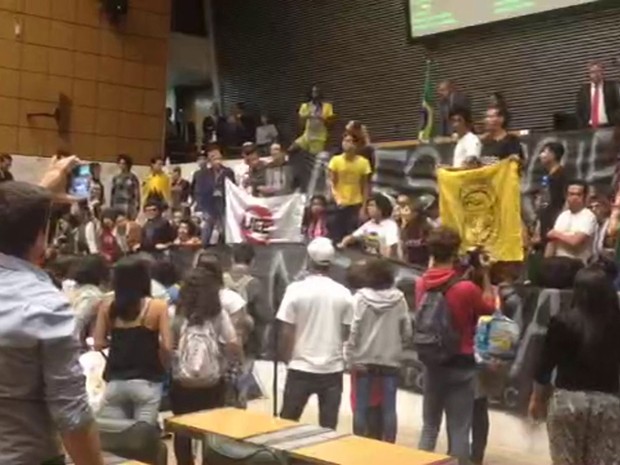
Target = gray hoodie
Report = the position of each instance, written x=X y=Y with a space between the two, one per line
x=380 y=324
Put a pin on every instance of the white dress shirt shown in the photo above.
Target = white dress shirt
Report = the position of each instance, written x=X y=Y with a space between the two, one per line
x=602 y=111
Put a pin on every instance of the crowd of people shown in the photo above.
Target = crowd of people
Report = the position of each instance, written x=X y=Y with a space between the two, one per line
x=94 y=274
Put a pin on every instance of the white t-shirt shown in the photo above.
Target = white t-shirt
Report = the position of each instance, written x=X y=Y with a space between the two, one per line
x=468 y=146
x=318 y=306
x=378 y=235
x=231 y=301
x=582 y=222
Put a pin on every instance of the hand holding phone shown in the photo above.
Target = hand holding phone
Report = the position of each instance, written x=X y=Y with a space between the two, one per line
x=56 y=178
x=79 y=182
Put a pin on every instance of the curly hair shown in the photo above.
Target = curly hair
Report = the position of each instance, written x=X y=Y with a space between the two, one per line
x=199 y=299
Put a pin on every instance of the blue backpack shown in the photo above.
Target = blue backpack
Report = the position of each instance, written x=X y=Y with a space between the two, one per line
x=435 y=337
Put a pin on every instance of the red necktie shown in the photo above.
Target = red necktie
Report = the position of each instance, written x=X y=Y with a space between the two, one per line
x=596 y=99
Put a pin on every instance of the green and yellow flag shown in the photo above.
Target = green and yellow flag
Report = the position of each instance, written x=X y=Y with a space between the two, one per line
x=484 y=206
x=426 y=114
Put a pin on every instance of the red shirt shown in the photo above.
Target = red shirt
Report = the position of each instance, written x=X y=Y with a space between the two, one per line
x=108 y=246
x=464 y=299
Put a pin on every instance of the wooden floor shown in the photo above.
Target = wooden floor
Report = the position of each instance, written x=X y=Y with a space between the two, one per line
x=512 y=440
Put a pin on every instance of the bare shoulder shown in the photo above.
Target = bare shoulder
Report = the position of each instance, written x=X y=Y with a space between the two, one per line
x=157 y=308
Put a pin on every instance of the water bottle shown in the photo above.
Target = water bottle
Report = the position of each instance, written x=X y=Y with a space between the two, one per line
x=544 y=194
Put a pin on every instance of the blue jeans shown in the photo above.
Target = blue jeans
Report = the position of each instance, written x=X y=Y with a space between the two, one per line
x=389 y=385
x=209 y=224
x=448 y=390
x=132 y=399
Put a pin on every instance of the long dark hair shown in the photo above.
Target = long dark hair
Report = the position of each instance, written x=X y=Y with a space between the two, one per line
x=199 y=299
x=595 y=312
x=131 y=282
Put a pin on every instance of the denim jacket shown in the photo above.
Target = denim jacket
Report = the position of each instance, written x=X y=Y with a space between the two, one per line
x=42 y=385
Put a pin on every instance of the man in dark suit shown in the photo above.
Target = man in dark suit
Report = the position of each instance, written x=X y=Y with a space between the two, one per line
x=597 y=101
x=450 y=99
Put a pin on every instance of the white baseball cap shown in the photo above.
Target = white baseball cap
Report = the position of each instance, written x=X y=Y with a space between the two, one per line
x=321 y=251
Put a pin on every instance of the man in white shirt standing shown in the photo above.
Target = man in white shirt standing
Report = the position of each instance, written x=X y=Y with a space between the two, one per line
x=598 y=101
x=315 y=315
x=468 y=145
x=574 y=230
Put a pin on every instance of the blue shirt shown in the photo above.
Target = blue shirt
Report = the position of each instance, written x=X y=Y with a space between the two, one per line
x=42 y=385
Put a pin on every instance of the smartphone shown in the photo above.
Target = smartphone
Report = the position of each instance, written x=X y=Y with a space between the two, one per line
x=79 y=184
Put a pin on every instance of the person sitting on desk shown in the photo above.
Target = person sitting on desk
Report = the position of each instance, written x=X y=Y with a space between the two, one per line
x=497 y=143
x=597 y=101
x=157 y=232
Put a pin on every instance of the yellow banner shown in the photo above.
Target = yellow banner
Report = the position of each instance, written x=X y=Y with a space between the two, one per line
x=484 y=206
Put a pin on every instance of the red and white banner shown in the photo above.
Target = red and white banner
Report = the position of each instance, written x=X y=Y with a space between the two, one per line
x=259 y=220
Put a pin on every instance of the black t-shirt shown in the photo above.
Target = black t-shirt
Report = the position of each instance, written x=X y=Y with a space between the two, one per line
x=413 y=239
x=579 y=367
x=495 y=150
x=557 y=197
x=156 y=231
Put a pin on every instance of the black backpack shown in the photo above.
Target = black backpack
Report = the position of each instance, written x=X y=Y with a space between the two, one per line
x=435 y=338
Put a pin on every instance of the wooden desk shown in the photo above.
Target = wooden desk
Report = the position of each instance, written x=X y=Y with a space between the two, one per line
x=354 y=450
x=228 y=422
x=109 y=459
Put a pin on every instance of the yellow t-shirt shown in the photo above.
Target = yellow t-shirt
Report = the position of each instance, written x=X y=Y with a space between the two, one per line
x=315 y=128
x=349 y=173
x=156 y=184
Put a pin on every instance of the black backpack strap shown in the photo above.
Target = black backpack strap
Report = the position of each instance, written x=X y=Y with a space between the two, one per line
x=448 y=284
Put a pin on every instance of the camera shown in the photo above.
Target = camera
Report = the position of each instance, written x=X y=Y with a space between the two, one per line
x=476 y=257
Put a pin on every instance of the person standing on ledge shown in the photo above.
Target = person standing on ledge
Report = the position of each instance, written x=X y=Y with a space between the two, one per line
x=315 y=115
x=42 y=383
x=449 y=100
x=468 y=145
x=498 y=144
x=598 y=100
x=349 y=174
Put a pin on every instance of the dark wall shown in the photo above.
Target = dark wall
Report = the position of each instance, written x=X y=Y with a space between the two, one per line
x=271 y=51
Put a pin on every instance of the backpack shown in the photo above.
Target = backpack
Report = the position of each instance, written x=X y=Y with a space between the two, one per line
x=435 y=337
x=199 y=358
x=497 y=336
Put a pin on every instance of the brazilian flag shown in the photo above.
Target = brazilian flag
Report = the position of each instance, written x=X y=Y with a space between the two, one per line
x=426 y=116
